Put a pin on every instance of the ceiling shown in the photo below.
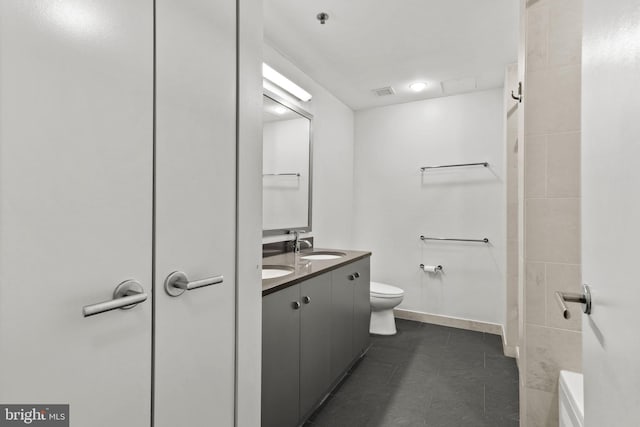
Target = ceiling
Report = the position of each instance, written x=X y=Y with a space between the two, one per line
x=455 y=46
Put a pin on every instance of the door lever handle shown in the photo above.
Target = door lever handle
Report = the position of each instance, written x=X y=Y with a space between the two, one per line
x=584 y=298
x=177 y=282
x=126 y=295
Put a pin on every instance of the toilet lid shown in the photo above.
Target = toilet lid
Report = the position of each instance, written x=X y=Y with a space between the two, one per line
x=382 y=290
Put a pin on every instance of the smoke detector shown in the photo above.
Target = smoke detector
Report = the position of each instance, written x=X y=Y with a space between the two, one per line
x=384 y=91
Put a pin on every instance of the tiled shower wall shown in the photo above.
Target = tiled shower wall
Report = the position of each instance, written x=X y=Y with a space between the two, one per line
x=551 y=202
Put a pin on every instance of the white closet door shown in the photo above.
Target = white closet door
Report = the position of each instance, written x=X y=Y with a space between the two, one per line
x=195 y=211
x=611 y=211
x=76 y=134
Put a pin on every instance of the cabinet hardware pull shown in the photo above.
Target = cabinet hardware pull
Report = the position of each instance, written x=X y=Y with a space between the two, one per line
x=356 y=274
x=126 y=295
x=177 y=282
x=295 y=305
x=306 y=300
x=352 y=277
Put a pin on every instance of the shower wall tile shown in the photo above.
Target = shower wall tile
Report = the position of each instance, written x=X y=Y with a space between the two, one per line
x=537 y=36
x=553 y=103
x=535 y=98
x=551 y=202
x=548 y=351
x=565 y=84
x=541 y=408
x=512 y=225
x=535 y=171
x=552 y=230
x=563 y=165
x=564 y=278
x=535 y=293
x=565 y=32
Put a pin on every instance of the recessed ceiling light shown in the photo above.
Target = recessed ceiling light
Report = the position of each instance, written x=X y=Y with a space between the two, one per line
x=418 y=86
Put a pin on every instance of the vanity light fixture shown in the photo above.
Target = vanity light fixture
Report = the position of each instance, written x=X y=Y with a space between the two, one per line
x=418 y=86
x=284 y=83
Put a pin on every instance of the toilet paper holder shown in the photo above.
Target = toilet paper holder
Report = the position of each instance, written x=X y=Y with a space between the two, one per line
x=431 y=268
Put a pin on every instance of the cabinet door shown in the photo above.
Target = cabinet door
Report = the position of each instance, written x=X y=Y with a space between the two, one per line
x=195 y=211
x=76 y=144
x=342 y=292
x=315 y=341
x=281 y=358
x=361 y=307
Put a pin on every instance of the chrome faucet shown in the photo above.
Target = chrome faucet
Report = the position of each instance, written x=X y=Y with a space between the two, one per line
x=295 y=243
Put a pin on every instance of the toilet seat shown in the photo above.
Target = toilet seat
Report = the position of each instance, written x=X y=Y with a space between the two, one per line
x=382 y=290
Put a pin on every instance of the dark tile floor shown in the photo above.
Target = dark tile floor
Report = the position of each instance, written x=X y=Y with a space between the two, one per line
x=426 y=375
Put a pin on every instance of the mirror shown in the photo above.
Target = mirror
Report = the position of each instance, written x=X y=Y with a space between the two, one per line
x=286 y=167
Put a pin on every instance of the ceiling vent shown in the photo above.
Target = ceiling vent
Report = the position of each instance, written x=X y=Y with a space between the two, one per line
x=384 y=91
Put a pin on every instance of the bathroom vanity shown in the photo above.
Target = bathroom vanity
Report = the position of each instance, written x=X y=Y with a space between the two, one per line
x=315 y=326
x=315 y=303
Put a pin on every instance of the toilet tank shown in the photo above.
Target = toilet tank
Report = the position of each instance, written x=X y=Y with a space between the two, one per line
x=571 y=399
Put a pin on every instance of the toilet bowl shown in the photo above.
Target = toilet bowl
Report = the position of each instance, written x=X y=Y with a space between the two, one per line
x=383 y=299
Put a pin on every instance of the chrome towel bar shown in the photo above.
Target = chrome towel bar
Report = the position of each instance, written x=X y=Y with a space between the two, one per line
x=282 y=174
x=424 y=168
x=485 y=240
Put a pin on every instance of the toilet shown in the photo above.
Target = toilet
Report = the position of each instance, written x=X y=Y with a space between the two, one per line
x=383 y=299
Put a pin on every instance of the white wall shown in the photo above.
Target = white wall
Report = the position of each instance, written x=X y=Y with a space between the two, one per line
x=395 y=203
x=332 y=213
x=249 y=220
x=390 y=203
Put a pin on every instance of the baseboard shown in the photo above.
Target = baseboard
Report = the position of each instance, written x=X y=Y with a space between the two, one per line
x=508 y=350
x=454 y=322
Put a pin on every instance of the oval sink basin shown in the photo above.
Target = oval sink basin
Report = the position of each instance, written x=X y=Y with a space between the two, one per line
x=323 y=256
x=275 y=271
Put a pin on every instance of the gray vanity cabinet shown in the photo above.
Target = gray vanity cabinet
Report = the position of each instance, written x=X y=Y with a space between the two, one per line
x=281 y=357
x=349 y=314
x=315 y=341
x=361 y=307
x=341 y=319
x=311 y=334
x=295 y=351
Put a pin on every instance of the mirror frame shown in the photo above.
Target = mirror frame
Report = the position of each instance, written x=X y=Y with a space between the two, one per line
x=299 y=110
